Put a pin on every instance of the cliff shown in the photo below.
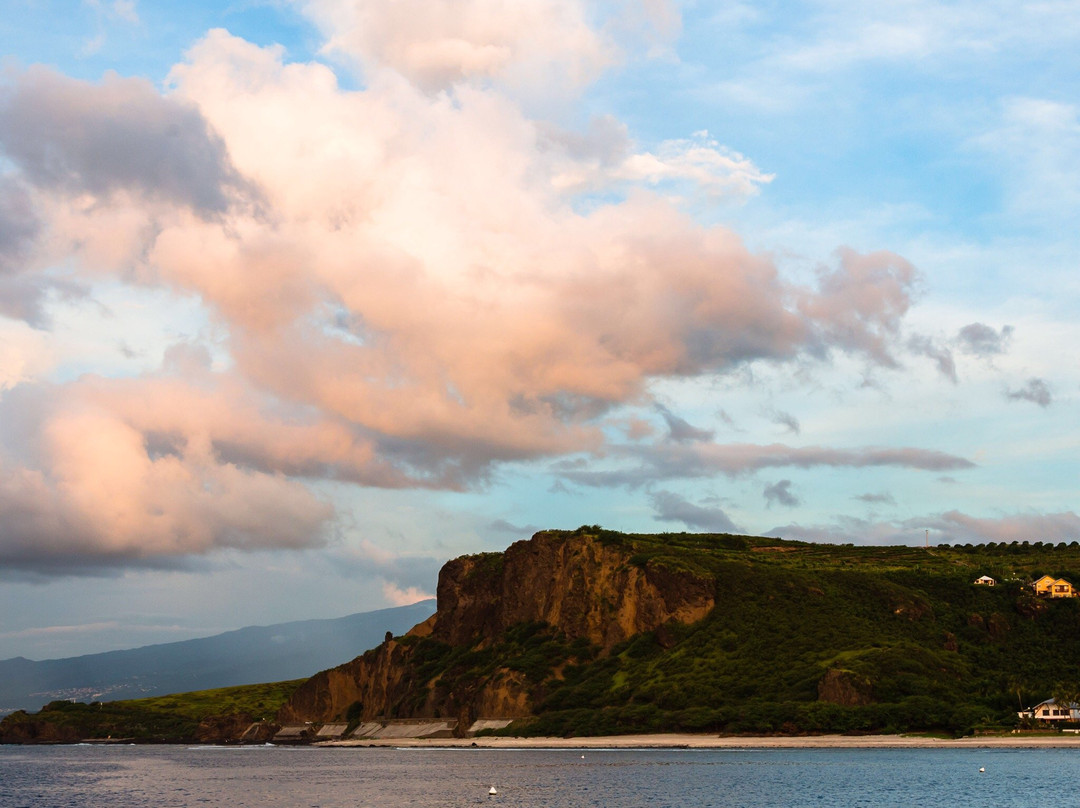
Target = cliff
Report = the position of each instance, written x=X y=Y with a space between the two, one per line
x=593 y=632
x=574 y=587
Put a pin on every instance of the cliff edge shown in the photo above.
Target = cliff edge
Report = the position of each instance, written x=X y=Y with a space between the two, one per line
x=571 y=592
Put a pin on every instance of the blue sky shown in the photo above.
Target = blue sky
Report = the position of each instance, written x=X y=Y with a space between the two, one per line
x=300 y=299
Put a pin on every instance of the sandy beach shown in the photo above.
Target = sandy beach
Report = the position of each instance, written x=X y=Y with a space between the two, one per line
x=690 y=741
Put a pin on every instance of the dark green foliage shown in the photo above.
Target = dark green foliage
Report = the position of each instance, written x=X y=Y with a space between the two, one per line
x=936 y=653
x=531 y=649
x=172 y=718
x=804 y=638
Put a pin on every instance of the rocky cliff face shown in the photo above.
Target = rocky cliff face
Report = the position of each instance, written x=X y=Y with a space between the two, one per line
x=581 y=587
x=578 y=585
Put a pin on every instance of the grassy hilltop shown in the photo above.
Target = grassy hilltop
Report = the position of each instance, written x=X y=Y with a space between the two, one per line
x=803 y=637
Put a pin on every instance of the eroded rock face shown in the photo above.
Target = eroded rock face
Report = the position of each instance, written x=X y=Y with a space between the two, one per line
x=576 y=584
x=845 y=688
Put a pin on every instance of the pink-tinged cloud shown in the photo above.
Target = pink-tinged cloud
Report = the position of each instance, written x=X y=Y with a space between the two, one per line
x=669 y=460
x=862 y=302
x=397 y=596
x=406 y=294
x=131 y=472
x=951 y=527
x=439 y=43
x=956 y=527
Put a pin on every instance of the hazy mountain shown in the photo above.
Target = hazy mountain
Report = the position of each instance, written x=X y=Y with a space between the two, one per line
x=245 y=656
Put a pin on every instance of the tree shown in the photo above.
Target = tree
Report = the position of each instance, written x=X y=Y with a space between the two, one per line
x=1067 y=696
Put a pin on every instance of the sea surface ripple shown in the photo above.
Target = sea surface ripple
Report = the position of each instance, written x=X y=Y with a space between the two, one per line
x=265 y=777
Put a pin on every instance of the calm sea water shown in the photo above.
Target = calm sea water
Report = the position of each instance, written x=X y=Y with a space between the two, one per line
x=262 y=777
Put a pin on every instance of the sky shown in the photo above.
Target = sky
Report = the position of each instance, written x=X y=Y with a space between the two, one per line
x=301 y=298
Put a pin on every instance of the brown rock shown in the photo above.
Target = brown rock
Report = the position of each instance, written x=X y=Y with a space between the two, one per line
x=845 y=688
x=579 y=586
x=573 y=583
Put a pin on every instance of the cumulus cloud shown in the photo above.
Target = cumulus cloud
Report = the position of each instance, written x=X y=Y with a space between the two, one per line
x=670 y=507
x=979 y=339
x=414 y=299
x=1037 y=391
x=710 y=166
x=152 y=469
x=121 y=134
x=861 y=303
x=439 y=43
x=404 y=597
x=21 y=297
x=780 y=493
x=603 y=158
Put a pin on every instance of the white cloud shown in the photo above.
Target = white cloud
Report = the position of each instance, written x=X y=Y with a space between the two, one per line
x=404 y=597
x=529 y=44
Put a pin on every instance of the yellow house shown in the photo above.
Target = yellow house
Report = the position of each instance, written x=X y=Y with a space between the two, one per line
x=1044 y=585
x=1051 y=587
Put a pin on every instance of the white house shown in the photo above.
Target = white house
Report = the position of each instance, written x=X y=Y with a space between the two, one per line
x=985 y=580
x=1050 y=710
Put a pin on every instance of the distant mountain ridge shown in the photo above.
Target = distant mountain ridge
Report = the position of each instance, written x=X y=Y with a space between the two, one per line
x=245 y=656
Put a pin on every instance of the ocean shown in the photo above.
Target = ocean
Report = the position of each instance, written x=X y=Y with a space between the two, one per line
x=263 y=777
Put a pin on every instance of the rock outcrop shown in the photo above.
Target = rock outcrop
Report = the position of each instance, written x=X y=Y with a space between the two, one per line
x=845 y=688
x=576 y=584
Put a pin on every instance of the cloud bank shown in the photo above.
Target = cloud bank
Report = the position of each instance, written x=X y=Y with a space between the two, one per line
x=950 y=527
x=403 y=282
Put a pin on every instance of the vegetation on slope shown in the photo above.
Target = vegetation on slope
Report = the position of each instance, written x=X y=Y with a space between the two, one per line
x=175 y=718
x=803 y=638
x=824 y=638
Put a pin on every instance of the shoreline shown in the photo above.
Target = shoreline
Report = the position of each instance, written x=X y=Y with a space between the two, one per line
x=692 y=741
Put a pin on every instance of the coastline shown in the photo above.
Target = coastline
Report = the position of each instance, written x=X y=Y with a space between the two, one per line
x=692 y=741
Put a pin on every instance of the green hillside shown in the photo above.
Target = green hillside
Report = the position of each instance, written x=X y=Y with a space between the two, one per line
x=175 y=718
x=803 y=638
x=901 y=634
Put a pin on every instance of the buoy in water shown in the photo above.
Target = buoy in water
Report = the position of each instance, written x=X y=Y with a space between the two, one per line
x=492 y=792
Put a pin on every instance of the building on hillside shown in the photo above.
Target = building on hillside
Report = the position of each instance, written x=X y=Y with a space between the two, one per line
x=1051 y=587
x=1050 y=710
x=985 y=580
x=1043 y=585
